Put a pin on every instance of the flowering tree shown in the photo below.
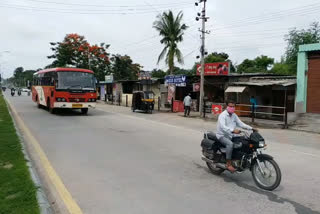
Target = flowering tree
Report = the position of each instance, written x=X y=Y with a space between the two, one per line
x=75 y=51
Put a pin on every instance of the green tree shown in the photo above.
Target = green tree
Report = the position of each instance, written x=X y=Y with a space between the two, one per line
x=171 y=30
x=75 y=51
x=158 y=73
x=260 y=64
x=123 y=68
x=294 y=39
x=216 y=57
x=281 y=68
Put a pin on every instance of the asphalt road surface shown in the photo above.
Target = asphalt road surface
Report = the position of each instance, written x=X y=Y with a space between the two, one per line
x=116 y=161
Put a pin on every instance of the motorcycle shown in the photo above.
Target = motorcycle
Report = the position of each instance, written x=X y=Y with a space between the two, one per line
x=247 y=155
x=19 y=92
x=12 y=92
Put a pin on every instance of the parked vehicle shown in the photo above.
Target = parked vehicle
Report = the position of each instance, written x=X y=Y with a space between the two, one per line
x=72 y=88
x=247 y=155
x=143 y=100
x=25 y=90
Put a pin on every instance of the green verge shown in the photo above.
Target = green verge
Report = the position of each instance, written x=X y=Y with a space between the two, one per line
x=17 y=191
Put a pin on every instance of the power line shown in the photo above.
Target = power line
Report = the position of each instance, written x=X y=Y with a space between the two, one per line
x=86 y=11
x=100 y=5
x=271 y=17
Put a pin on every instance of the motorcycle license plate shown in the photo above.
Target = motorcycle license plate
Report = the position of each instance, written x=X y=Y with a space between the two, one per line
x=76 y=105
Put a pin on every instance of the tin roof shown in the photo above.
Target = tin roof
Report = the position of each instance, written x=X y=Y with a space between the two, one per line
x=269 y=81
x=309 y=47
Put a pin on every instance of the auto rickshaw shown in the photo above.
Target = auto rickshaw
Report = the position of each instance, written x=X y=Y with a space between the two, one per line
x=143 y=100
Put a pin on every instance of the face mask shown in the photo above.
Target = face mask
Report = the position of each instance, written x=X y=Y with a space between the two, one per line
x=231 y=110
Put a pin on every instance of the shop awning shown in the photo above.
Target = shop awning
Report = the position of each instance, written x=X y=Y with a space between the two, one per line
x=235 y=89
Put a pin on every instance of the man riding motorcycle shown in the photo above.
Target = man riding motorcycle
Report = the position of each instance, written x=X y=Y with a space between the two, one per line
x=228 y=121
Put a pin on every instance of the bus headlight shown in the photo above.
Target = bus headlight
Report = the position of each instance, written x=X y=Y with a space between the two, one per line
x=60 y=99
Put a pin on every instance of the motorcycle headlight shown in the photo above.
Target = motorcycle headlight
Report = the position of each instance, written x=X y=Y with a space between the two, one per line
x=262 y=144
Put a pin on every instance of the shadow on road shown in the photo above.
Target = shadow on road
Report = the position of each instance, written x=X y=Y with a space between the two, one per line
x=76 y=112
x=238 y=180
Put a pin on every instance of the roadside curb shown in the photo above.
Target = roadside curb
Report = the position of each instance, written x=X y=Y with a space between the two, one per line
x=42 y=199
x=259 y=124
x=58 y=200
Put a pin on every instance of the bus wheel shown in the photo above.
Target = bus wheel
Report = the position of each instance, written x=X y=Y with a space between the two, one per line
x=84 y=110
x=51 y=110
x=38 y=103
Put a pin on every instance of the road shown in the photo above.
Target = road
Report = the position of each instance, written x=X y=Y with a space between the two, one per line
x=116 y=161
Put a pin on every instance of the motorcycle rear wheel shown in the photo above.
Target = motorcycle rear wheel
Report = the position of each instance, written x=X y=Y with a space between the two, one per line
x=260 y=182
x=214 y=170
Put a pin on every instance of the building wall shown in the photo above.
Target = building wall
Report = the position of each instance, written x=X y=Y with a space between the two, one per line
x=302 y=79
x=124 y=98
x=301 y=94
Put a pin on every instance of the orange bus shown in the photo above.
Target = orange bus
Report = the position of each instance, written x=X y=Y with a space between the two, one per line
x=72 y=88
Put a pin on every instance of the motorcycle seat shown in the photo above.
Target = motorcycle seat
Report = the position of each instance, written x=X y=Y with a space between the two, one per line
x=211 y=136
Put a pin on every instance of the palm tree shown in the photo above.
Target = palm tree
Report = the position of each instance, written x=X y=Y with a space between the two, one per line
x=171 y=29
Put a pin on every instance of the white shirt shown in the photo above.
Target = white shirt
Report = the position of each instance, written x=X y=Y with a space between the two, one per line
x=227 y=124
x=187 y=101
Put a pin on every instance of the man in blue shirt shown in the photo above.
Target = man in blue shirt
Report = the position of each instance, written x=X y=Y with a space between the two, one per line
x=228 y=122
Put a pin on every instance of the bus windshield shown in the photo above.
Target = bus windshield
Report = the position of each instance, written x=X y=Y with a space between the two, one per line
x=76 y=80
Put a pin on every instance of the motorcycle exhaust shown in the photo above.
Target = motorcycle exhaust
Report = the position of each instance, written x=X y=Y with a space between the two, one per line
x=207 y=160
x=221 y=165
x=218 y=165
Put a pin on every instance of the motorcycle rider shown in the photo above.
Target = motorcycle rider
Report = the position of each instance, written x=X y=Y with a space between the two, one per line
x=12 y=91
x=228 y=122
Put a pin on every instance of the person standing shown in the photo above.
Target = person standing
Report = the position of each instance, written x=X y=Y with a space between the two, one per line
x=187 y=104
x=253 y=103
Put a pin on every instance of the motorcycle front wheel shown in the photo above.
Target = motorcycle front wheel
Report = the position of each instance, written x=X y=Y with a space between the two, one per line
x=269 y=176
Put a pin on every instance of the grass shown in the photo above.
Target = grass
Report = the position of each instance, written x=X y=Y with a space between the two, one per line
x=17 y=191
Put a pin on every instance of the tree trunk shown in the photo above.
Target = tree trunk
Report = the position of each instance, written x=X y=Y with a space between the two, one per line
x=171 y=61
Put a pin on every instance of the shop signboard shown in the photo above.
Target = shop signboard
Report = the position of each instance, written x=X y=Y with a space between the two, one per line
x=215 y=69
x=196 y=87
x=109 y=78
x=177 y=80
x=216 y=109
x=171 y=92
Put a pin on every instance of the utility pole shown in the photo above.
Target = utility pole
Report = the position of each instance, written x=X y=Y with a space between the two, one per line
x=202 y=51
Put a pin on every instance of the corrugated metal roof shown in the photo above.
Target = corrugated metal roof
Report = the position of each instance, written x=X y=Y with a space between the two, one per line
x=285 y=83
x=236 y=89
x=309 y=47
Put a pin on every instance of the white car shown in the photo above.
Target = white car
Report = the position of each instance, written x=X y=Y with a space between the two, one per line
x=25 y=90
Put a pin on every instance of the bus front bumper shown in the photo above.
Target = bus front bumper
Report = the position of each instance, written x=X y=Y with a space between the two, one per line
x=74 y=105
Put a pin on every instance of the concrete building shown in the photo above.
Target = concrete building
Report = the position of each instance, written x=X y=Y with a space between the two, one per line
x=308 y=79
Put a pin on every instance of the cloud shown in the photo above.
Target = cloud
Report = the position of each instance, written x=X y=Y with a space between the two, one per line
x=240 y=28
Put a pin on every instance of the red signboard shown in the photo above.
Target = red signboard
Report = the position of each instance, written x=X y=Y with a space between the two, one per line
x=196 y=87
x=216 y=109
x=212 y=69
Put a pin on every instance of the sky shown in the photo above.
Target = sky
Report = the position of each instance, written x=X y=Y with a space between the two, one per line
x=243 y=29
